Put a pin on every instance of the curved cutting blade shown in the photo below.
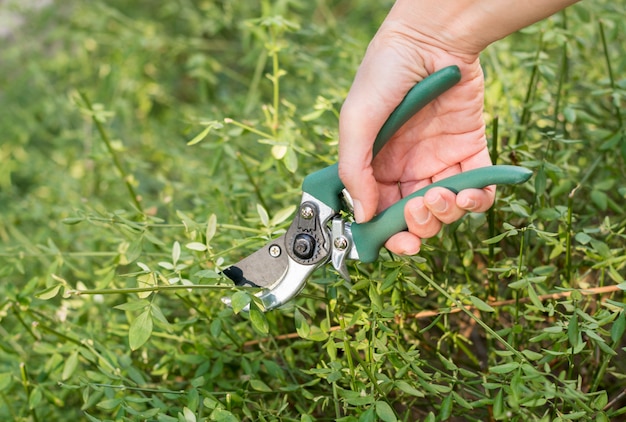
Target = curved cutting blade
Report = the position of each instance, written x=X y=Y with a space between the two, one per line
x=263 y=268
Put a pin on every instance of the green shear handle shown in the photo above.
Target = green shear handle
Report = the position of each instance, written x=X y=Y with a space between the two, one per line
x=369 y=237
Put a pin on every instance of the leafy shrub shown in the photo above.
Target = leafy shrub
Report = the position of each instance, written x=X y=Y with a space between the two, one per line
x=147 y=146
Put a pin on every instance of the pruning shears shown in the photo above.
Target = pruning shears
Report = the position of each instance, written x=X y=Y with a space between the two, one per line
x=322 y=230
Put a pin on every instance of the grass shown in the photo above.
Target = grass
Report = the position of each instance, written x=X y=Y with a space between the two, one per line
x=145 y=147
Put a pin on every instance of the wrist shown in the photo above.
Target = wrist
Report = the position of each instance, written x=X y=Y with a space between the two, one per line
x=466 y=27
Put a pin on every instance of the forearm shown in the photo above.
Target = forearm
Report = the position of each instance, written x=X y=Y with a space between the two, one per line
x=468 y=26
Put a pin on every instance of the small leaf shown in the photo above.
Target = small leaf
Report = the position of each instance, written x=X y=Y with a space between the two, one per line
x=196 y=246
x=49 y=293
x=200 y=136
x=140 y=330
x=480 y=304
x=134 y=305
x=530 y=355
x=259 y=385
x=206 y=274
x=408 y=388
x=619 y=325
x=385 y=412
x=175 y=253
x=109 y=404
x=239 y=301
x=157 y=314
x=498 y=406
x=265 y=218
x=259 y=321
x=291 y=160
x=302 y=326
x=504 y=368
x=146 y=280
x=211 y=229
x=282 y=215
x=279 y=151
x=189 y=415
x=70 y=365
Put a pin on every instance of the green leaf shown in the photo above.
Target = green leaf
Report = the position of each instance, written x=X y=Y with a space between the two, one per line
x=498 y=405
x=259 y=385
x=140 y=330
x=408 y=388
x=480 y=304
x=146 y=280
x=189 y=415
x=259 y=321
x=223 y=415
x=619 y=325
x=530 y=355
x=109 y=404
x=175 y=252
x=265 y=218
x=206 y=274
x=196 y=246
x=133 y=305
x=157 y=314
x=573 y=333
x=291 y=160
x=302 y=326
x=282 y=215
x=385 y=412
x=504 y=368
x=600 y=342
x=70 y=365
x=445 y=411
x=204 y=133
x=49 y=293
x=211 y=229
x=239 y=301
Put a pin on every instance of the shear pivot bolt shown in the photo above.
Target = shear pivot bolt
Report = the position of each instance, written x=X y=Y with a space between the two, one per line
x=275 y=251
x=304 y=246
x=307 y=212
x=341 y=243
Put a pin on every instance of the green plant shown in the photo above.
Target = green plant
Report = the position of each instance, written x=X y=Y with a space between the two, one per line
x=146 y=147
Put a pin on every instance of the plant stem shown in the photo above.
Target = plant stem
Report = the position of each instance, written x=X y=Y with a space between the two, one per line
x=530 y=90
x=491 y=214
x=468 y=312
x=130 y=290
x=116 y=161
x=250 y=178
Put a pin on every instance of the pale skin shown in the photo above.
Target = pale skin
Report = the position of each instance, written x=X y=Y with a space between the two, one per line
x=417 y=38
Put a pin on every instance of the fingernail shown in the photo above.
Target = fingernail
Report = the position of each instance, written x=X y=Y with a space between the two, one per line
x=437 y=204
x=421 y=215
x=469 y=204
x=411 y=251
x=359 y=214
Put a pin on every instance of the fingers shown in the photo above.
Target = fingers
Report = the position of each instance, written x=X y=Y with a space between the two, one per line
x=425 y=216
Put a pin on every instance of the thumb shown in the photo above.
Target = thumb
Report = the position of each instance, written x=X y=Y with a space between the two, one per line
x=361 y=185
x=356 y=139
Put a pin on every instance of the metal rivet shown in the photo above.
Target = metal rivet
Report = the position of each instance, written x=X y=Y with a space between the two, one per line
x=307 y=212
x=341 y=243
x=275 y=251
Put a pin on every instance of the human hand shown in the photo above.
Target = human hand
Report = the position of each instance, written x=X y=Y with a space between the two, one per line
x=444 y=138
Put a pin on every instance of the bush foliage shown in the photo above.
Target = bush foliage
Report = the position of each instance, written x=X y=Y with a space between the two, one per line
x=147 y=145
